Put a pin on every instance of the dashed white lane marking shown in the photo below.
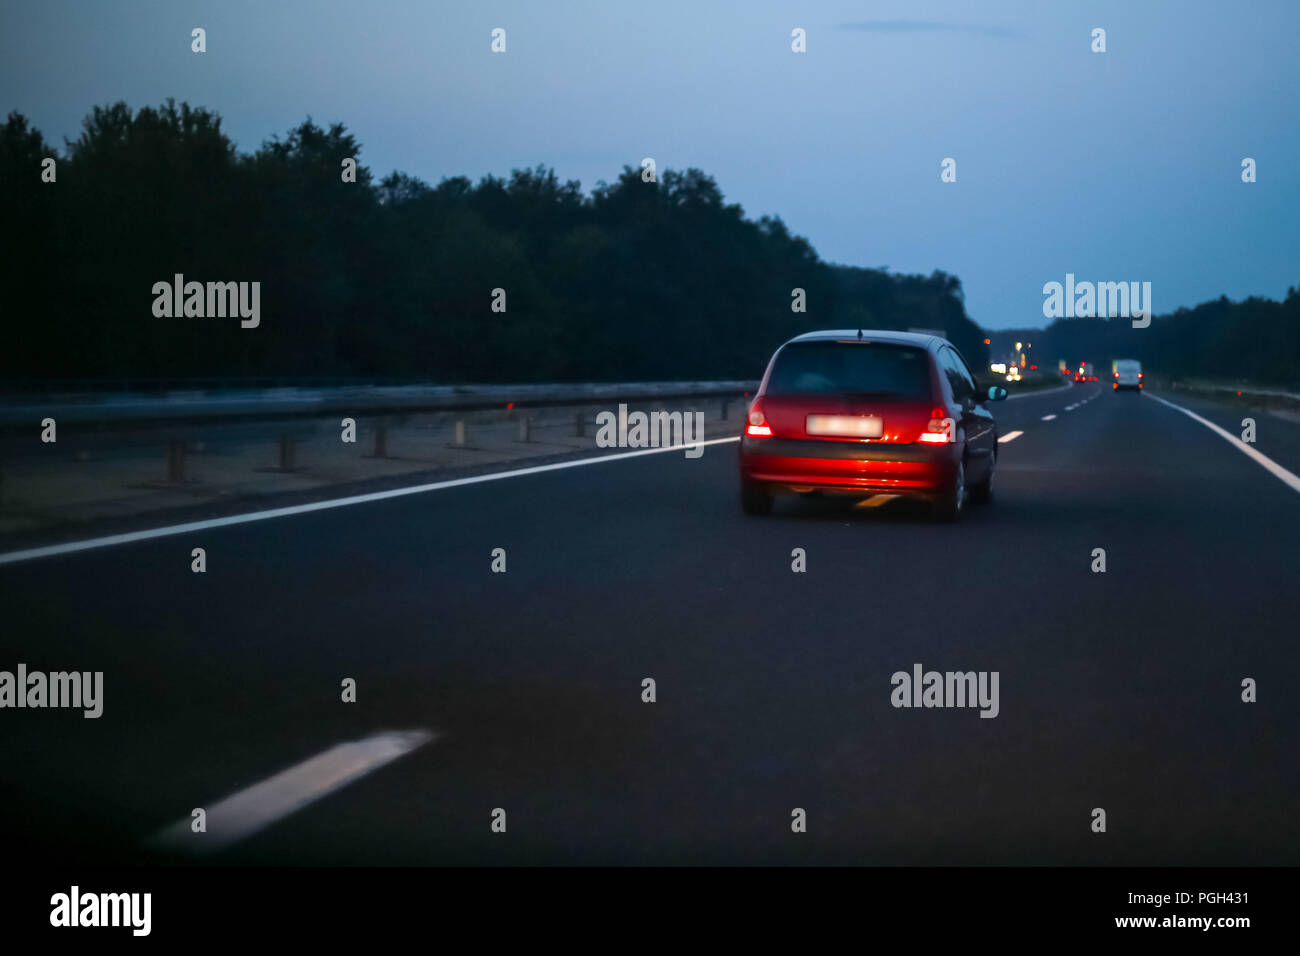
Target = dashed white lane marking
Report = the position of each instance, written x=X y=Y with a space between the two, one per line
x=1048 y=418
x=1070 y=408
x=1261 y=459
x=257 y=807
x=1010 y=436
x=12 y=557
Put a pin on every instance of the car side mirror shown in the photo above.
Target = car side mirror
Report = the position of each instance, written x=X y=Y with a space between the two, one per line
x=997 y=393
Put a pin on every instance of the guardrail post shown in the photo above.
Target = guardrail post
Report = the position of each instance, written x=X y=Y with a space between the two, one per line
x=458 y=434
x=286 y=453
x=525 y=428
x=725 y=403
x=176 y=461
x=578 y=425
x=381 y=441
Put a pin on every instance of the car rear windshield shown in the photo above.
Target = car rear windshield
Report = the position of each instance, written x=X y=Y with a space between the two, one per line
x=819 y=368
x=1127 y=365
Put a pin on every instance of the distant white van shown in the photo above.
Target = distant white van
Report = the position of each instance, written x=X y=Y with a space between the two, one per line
x=1128 y=374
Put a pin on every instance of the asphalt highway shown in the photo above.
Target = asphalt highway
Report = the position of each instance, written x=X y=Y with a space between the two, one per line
x=1119 y=690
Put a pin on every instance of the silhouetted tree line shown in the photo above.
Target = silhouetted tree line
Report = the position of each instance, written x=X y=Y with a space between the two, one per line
x=1257 y=340
x=394 y=278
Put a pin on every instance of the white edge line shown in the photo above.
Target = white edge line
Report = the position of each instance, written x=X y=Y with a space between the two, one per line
x=1010 y=436
x=255 y=808
x=1269 y=465
x=1048 y=418
x=69 y=547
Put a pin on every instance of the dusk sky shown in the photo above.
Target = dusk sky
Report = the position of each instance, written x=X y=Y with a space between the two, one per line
x=1115 y=166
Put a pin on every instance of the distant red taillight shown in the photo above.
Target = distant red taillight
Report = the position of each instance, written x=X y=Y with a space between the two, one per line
x=1114 y=384
x=1139 y=374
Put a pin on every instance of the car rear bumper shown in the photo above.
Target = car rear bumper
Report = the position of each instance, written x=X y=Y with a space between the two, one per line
x=864 y=467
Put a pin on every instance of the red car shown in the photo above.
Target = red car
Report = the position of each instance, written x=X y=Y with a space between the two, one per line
x=864 y=413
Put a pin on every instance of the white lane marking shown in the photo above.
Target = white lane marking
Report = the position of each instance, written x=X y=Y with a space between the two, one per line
x=244 y=813
x=1267 y=463
x=1010 y=436
x=1070 y=408
x=1048 y=418
x=69 y=547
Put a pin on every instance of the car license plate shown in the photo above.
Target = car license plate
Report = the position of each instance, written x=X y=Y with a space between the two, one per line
x=845 y=426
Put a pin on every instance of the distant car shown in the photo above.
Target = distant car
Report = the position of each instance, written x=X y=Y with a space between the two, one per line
x=1085 y=373
x=865 y=412
x=1128 y=374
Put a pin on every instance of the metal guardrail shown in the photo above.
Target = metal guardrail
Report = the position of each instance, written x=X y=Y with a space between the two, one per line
x=1235 y=389
x=179 y=422
x=181 y=406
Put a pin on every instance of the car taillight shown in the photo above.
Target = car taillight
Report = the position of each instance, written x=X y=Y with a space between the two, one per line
x=939 y=429
x=1117 y=374
x=1139 y=374
x=758 y=426
x=1114 y=384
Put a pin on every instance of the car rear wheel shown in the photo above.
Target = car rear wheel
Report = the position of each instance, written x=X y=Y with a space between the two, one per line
x=755 y=499
x=982 y=493
x=949 y=507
